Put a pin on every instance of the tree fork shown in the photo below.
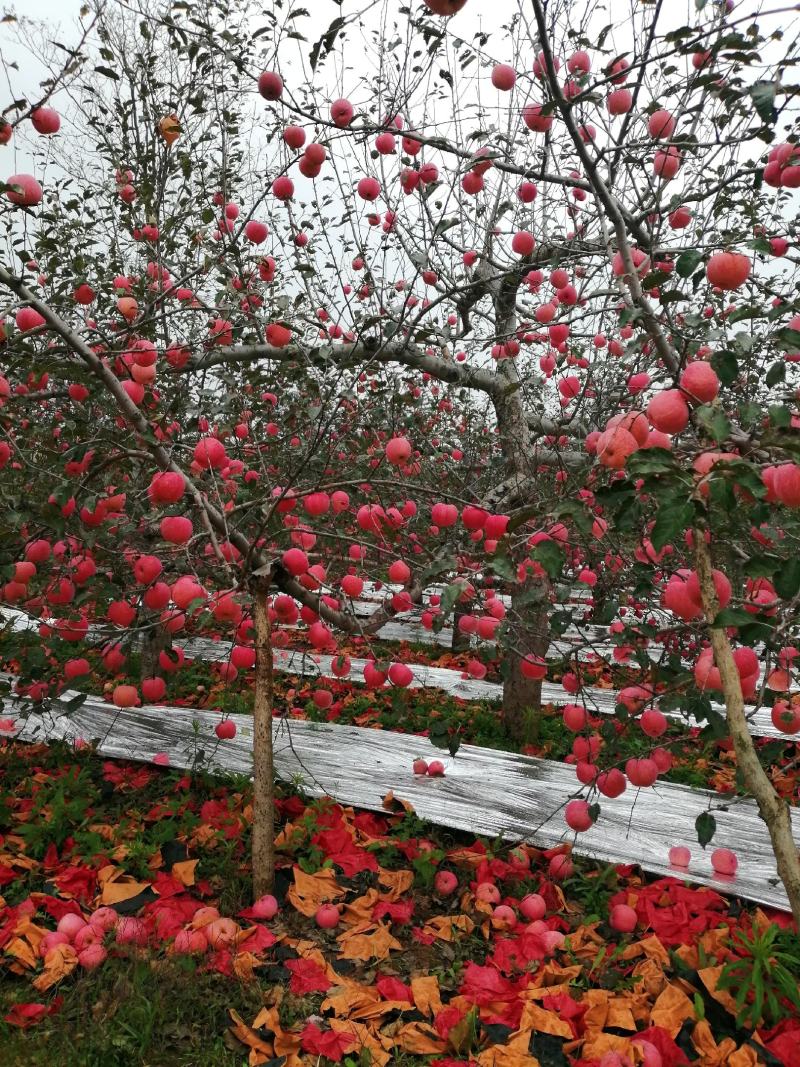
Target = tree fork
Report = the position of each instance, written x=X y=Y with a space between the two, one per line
x=773 y=810
x=263 y=828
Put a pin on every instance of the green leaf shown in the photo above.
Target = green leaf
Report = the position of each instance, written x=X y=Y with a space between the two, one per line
x=437 y=568
x=687 y=262
x=762 y=566
x=750 y=312
x=550 y=556
x=787 y=579
x=763 y=97
x=732 y=617
x=750 y=413
x=651 y=461
x=560 y=621
x=672 y=519
x=714 y=421
x=779 y=415
x=788 y=337
x=326 y=42
x=776 y=373
x=699 y=1007
x=447 y=603
x=503 y=567
x=655 y=278
x=706 y=826
x=726 y=365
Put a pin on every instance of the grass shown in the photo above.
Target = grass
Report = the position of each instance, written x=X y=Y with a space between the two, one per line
x=151 y=1013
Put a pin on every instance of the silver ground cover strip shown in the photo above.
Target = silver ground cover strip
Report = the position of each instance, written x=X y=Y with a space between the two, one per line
x=599 y=701
x=484 y=792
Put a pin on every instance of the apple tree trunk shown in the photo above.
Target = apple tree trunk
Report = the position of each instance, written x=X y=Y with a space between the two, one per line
x=263 y=839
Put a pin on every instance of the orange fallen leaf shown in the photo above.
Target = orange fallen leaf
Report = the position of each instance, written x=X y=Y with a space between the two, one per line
x=536 y=1018
x=620 y=1016
x=364 y=1039
x=506 y=1056
x=244 y=964
x=184 y=871
x=360 y=910
x=671 y=1009
x=553 y=974
x=60 y=961
x=398 y=882
x=21 y=951
x=117 y=886
x=393 y=803
x=709 y=976
x=603 y=1043
x=378 y=1009
x=425 y=991
x=651 y=977
x=445 y=926
x=420 y=1039
x=260 y=1050
x=367 y=943
x=349 y=998
x=311 y=890
x=595 y=1018
x=651 y=947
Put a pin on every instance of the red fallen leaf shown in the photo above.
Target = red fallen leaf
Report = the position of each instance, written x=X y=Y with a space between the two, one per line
x=783 y=1041
x=393 y=989
x=79 y=882
x=338 y=846
x=369 y=823
x=516 y=953
x=331 y=816
x=167 y=886
x=55 y=907
x=171 y=914
x=484 y=985
x=259 y=940
x=327 y=1043
x=307 y=977
x=26 y=1015
x=399 y=911
x=220 y=961
x=569 y=1010
x=122 y=774
x=50 y=859
x=446 y=1019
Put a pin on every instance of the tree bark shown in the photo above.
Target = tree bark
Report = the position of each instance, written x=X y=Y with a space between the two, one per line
x=263 y=841
x=155 y=640
x=522 y=697
x=773 y=810
x=459 y=642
